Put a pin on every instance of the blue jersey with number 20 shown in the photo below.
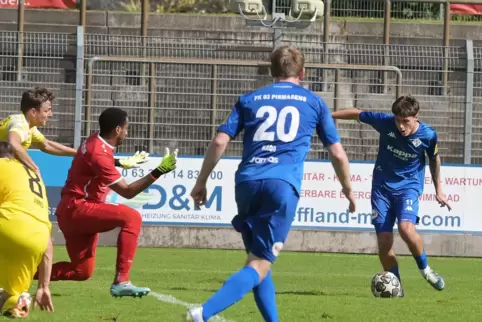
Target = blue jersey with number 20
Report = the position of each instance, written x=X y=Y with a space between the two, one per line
x=278 y=121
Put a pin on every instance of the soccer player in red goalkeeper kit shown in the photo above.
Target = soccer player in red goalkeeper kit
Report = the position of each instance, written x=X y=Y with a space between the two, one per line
x=82 y=212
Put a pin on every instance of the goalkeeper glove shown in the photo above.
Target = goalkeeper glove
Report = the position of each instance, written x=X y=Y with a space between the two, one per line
x=168 y=163
x=135 y=160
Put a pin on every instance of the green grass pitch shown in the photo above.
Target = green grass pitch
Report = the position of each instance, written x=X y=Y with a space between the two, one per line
x=309 y=286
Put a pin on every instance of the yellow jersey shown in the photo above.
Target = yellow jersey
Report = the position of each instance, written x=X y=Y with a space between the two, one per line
x=22 y=192
x=18 y=123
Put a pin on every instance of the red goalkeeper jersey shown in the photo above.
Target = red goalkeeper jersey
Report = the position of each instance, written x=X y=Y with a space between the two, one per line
x=92 y=171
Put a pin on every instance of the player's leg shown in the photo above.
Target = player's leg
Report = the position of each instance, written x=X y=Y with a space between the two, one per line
x=91 y=218
x=80 y=246
x=238 y=284
x=407 y=213
x=265 y=292
x=383 y=219
x=81 y=250
x=265 y=298
x=22 y=246
x=270 y=223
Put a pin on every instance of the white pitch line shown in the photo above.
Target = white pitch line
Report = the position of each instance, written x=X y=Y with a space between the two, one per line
x=172 y=300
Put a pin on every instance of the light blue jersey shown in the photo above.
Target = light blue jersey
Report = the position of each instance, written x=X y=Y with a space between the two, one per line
x=400 y=163
x=278 y=121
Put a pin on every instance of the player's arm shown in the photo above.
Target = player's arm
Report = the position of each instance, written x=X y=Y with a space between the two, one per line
x=131 y=190
x=45 y=268
x=43 y=298
x=106 y=170
x=435 y=165
x=341 y=165
x=55 y=148
x=229 y=129
x=214 y=153
x=328 y=134
x=40 y=141
x=348 y=114
x=434 y=162
x=15 y=140
x=233 y=125
x=329 y=137
x=377 y=120
x=50 y=147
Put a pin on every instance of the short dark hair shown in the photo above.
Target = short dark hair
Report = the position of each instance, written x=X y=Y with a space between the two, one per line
x=6 y=150
x=111 y=118
x=286 y=61
x=405 y=106
x=33 y=98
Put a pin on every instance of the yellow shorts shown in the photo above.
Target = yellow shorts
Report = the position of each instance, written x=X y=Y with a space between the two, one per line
x=23 y=241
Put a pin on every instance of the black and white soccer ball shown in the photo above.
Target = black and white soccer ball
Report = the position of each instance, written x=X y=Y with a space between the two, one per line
x=386 y=285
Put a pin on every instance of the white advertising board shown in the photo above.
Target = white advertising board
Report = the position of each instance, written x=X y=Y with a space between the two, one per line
x=321 y=206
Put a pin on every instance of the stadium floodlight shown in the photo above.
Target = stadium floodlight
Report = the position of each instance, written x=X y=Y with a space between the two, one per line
x=307 y=8
x=255 y=13
x=251 y=7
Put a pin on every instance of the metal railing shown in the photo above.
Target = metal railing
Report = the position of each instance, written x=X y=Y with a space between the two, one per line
x=475 y=131
x=57 y=61
x=48 y=60
x=385 y=9
x=182 y=101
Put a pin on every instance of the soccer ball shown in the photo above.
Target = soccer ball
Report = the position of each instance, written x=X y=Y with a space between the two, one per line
x=386 y=285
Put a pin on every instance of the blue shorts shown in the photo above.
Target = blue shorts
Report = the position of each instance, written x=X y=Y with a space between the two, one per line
x=388 y=207
x=266 y=210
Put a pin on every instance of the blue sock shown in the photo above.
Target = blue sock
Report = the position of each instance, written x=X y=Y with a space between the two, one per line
x=421 y=260
x=395 y=271
x=264 y=295
x=233 y=290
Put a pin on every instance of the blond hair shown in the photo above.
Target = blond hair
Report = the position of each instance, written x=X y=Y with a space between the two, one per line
x=287 y=61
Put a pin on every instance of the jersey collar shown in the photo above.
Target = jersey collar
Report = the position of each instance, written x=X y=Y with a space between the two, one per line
x=103 y=141
x=24 y=120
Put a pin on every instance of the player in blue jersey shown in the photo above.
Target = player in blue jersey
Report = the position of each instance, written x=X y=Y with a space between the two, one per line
x=398 y=179
x=278 y=121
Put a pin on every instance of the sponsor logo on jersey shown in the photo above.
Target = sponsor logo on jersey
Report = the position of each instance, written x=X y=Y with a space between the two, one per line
x=401 y=154
x=263 y=160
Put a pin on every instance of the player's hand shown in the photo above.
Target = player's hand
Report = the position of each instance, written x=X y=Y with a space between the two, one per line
x=43 y=299
x=442 y=201
x=351 y=199
x=199 y=194
x=135 y=160
x=168 y=162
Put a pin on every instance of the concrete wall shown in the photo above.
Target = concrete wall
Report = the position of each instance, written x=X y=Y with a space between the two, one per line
x=129 y=24
x=457 y=245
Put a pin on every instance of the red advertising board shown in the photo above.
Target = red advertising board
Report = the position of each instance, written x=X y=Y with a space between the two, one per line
x=465 y=9
x=59 y=4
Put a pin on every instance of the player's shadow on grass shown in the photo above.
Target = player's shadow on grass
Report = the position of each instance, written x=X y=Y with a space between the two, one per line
x=309 y=293
x=304 y=293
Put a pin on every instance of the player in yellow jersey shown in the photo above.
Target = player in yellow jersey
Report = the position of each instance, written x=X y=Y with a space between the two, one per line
x=25 y=243
x=20 y=130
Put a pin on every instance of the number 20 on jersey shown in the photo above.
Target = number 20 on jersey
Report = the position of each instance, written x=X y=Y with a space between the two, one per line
x=280 y=119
